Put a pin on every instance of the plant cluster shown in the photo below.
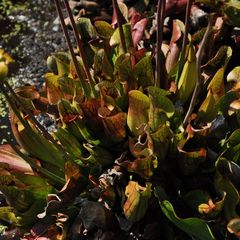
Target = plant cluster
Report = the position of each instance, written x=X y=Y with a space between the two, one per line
x=148 y=135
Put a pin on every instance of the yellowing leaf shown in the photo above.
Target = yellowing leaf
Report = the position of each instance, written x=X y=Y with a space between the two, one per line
x=187 y=79
x=138 y=111
x=234 y=226
x=208 y=109
x=234 y=75
x=144 y=166
x=136 y=204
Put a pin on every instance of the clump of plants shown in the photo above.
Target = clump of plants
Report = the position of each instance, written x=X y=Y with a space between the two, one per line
x=147 y=135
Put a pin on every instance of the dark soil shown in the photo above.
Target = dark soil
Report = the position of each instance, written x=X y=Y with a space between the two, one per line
x=29 y=32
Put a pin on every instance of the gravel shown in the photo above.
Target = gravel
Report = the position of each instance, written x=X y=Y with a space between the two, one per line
x=33 y=35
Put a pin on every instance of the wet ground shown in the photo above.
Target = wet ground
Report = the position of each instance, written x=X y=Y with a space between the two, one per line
x=29 y=32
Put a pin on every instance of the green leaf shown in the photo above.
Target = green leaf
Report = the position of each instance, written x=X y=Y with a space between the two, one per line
x=219 y=60
x=16 y=198
x=124 y=72
x=143 y=71
x=7 y=215
x=69 y=143
x=232 y=10
x=86 y=29
x=207 y=111
x=98 y=155
x=102 y=67
x=160 y=141
x=194 y=227
x=54 y=93
x=161 y=107
x=141 y=5
x=136 y=204
x=188 y=77
x=225 y=101
x=138 y=112
x=190 y=161
x=115 y=39
x=195 y=197
x=223 y=184
x=38 y=146
x=52 y=64
x=69 y=86
x=104 y=29
x=62 y=61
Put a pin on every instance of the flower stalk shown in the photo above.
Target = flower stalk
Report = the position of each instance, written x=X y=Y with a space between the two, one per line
x=199 y=57
x=84 y=85
x=120 y=28
x=160 y=81
x=185 y=39
x=80 y=48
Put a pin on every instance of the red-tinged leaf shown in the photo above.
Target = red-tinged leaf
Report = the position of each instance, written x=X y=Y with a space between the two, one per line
x=136 y=204
x=123 y=14
x=29 y=92
x=160 y=141
x=90 y=110
x=189 y=161
x=115 y=126
x=15 y=163
x=175 y=6
x=73 y=187
x=174 y=46
x=144 y=72
x=139 y=146
x=54 y=93
x=144 y=166
x=139 y=54
x=138 y=31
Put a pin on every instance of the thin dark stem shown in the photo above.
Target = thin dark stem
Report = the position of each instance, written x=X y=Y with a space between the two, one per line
x=60 y=181
x=80 y=45
x=46 y=134
x=185 y=39
x=70 y=47
x=199 y=57
x=159 y=55
x=120 y=28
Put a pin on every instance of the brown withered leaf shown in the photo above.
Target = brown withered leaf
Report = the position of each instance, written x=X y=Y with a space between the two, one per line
x=114 y=126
